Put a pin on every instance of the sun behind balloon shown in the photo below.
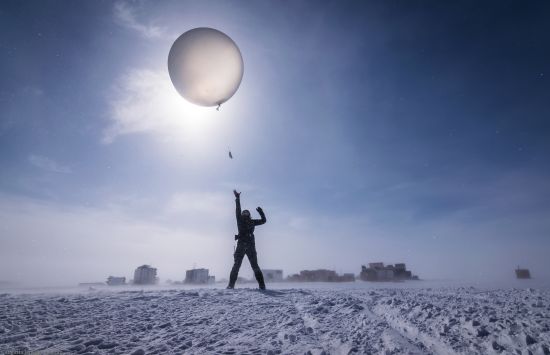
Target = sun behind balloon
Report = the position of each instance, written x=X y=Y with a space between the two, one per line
x=205 y=66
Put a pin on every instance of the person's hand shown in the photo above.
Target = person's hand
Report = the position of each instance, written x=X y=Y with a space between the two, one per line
x=237 y=194
x=259 y=209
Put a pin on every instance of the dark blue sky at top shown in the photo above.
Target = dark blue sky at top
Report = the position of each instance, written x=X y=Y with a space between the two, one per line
x=401 y=111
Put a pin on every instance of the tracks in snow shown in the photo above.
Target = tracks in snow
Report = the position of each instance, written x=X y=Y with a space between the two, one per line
x=290 y=321
x=343 y=324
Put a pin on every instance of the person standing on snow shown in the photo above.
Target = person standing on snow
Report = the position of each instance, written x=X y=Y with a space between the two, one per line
x=246 y=244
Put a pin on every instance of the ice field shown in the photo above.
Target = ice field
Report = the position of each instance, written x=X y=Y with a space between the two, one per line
x=316 y=318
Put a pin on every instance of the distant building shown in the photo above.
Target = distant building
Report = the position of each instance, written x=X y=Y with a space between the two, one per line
x=196 y=276
x=320 y=275
x=145 y=275
x=379 y=272
x=273 y=275
x=211 y=279
x=115 y=281
x=523 y=273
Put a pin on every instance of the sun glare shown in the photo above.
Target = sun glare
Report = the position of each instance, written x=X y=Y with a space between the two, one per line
x=192 y=126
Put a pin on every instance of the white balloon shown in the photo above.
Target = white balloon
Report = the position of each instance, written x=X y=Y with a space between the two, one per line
x=205 y=66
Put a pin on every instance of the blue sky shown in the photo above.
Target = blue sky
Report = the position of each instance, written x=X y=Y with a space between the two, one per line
x=368 y=131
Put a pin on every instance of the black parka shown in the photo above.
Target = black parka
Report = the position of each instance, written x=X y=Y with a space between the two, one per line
x=246 y=225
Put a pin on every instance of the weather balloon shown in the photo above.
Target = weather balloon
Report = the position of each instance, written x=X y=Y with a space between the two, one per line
x=205 y=66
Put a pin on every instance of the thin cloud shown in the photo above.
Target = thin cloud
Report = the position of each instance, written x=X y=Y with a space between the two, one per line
x=145 y=101
x=137 y=104
x=125 y=16
x=49 y=165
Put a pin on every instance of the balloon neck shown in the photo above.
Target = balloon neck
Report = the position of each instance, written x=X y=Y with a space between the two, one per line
x=218 y=108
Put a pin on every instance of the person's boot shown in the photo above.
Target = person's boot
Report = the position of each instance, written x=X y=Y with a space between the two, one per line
x=260 y=279
x=232 y=280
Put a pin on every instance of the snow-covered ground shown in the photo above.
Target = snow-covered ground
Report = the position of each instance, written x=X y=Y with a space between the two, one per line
x=407 y=318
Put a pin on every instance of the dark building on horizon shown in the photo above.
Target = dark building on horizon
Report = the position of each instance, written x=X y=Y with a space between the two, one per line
x=320 y=275
x=145 y=275
x=380 y=272
x=198 y=276
x=116 y=280
x=523 y=273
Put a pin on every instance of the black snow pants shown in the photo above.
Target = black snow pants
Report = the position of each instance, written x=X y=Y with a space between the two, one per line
x=249 y=249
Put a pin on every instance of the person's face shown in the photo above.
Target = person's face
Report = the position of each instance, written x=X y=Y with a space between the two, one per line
x=245 y=214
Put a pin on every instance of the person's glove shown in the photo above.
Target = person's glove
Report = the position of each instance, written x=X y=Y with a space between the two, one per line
x=259 y=209
x=237 y=194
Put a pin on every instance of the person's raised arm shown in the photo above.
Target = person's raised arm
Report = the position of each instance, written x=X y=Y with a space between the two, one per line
x=258 y=222
x=237 y=204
